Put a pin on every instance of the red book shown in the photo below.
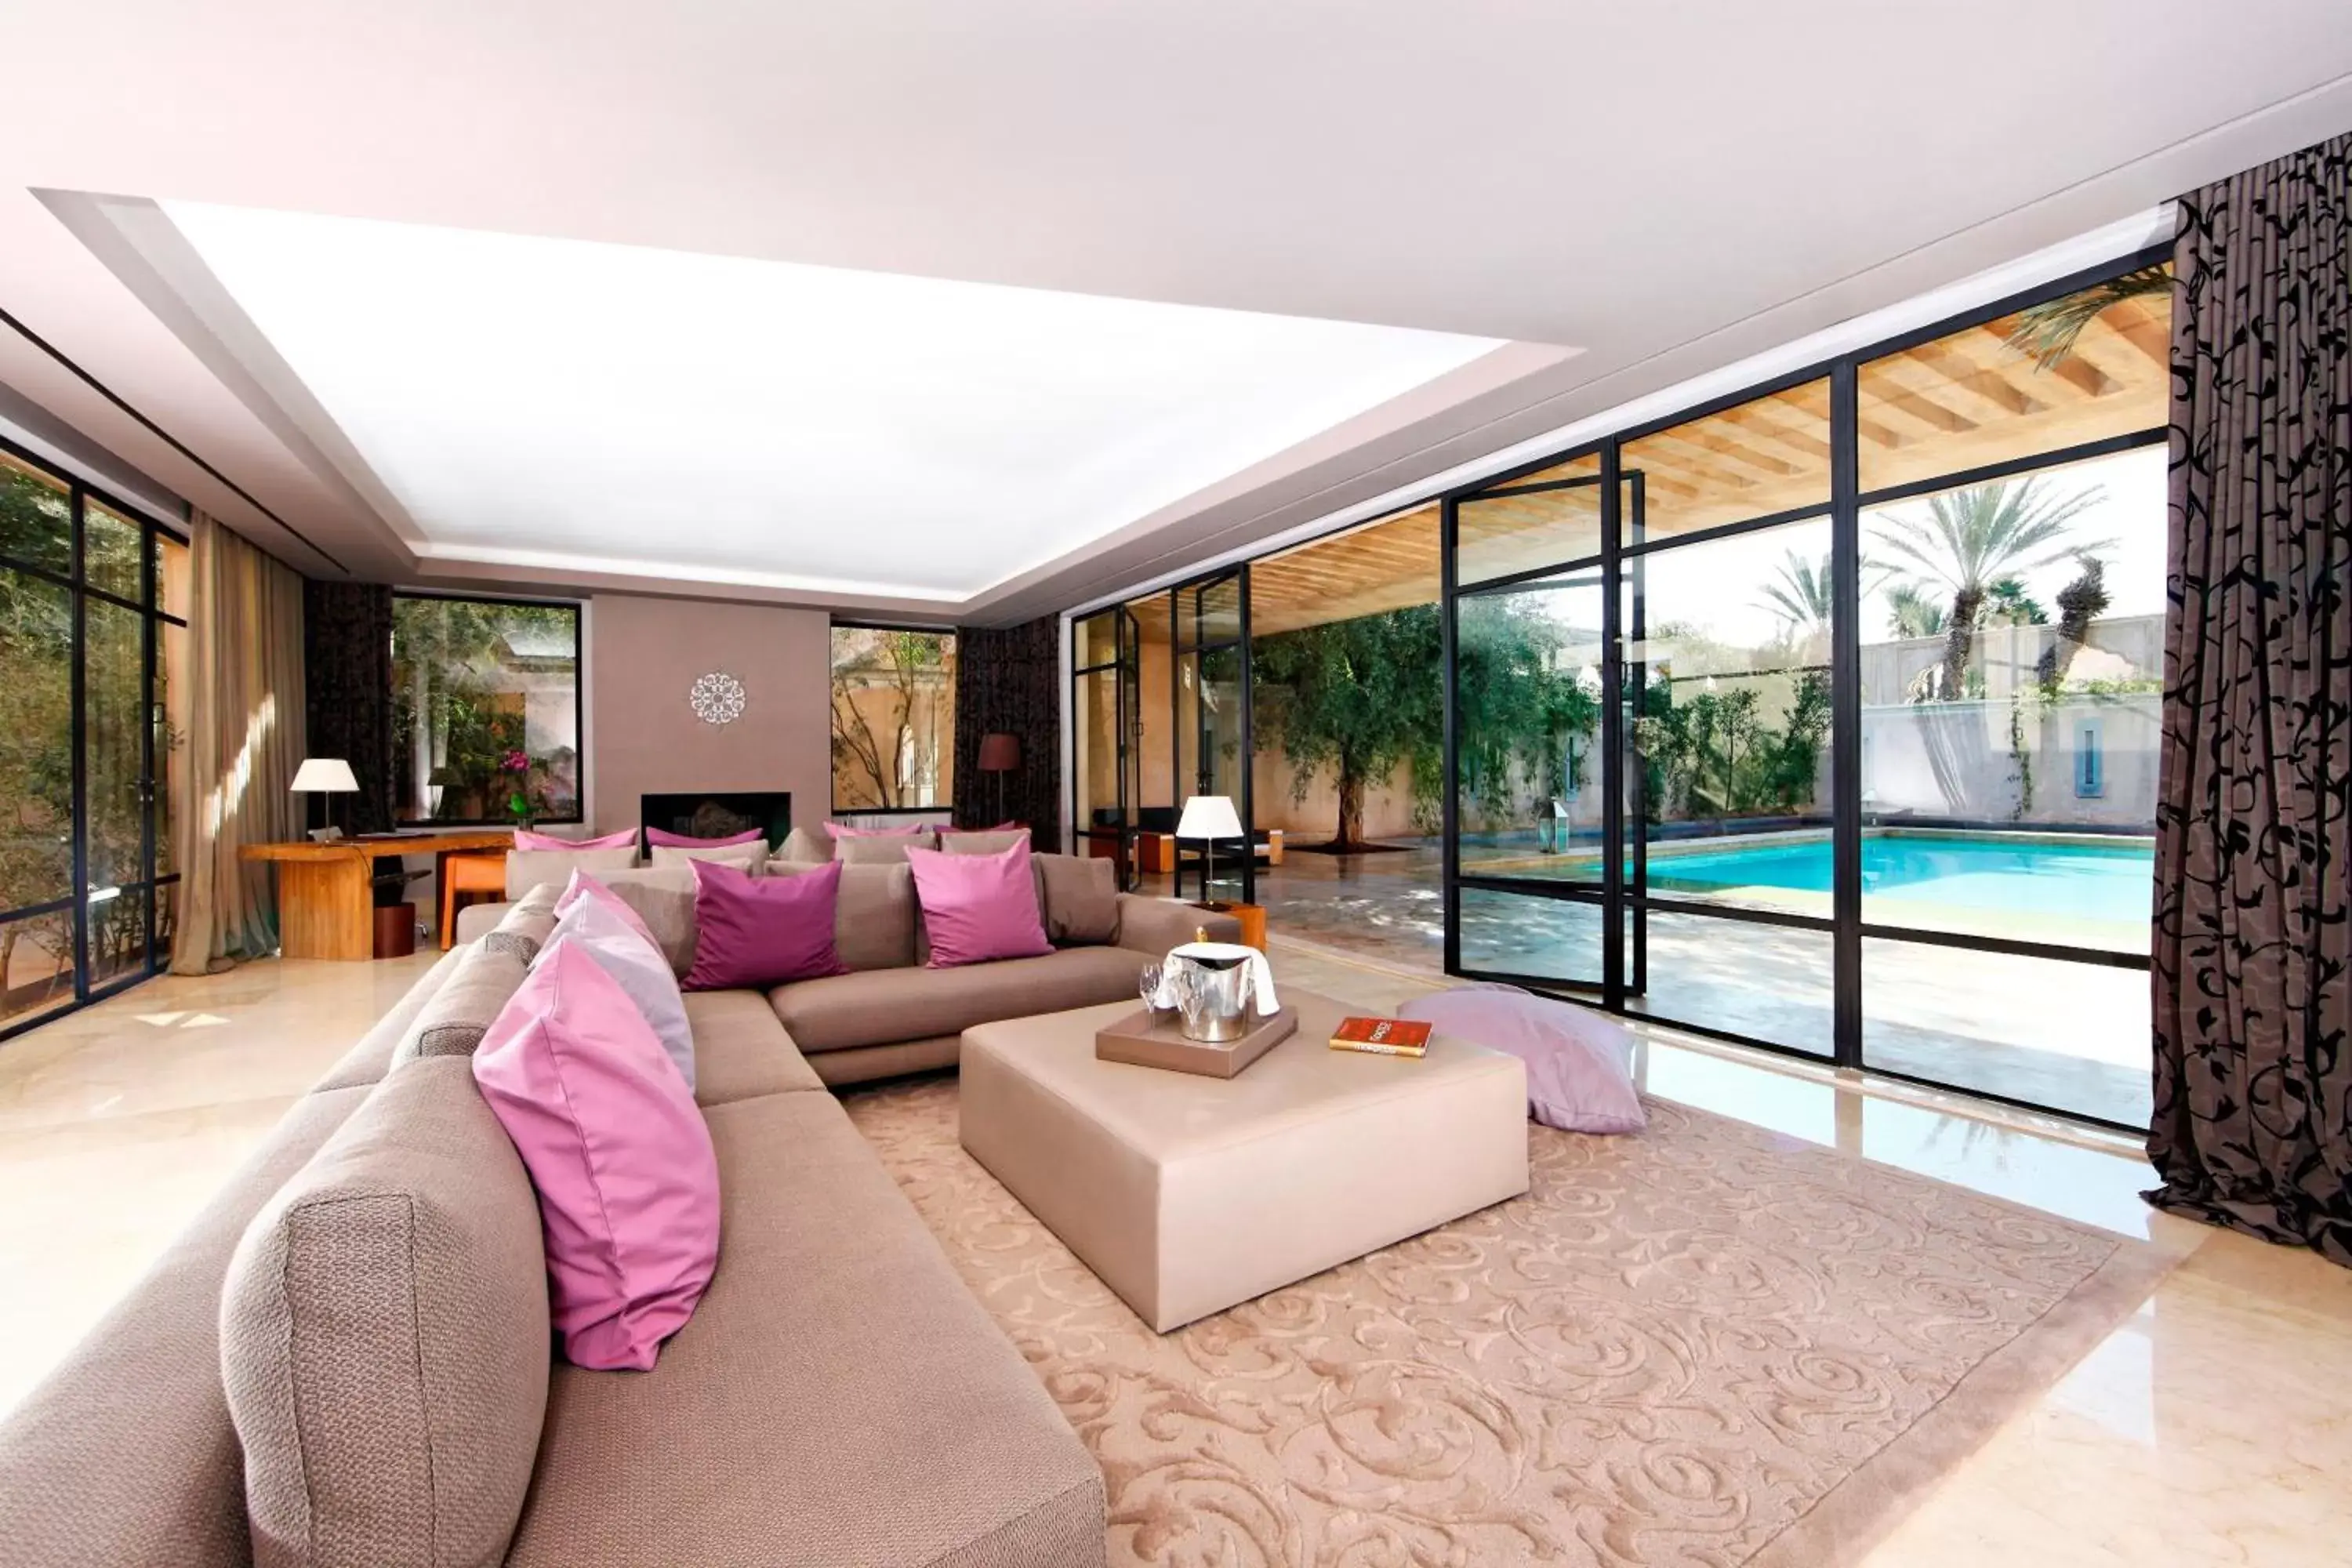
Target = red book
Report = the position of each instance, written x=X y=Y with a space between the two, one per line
x=1383 y=1036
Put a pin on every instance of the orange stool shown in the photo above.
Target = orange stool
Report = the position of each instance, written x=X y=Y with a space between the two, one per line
x=470 y=876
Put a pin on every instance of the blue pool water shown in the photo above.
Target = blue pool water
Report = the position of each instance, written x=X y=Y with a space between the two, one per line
x=2090 y=881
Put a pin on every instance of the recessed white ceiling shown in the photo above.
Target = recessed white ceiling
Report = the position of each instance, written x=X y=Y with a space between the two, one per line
x=1669 y=186
x=554 y=402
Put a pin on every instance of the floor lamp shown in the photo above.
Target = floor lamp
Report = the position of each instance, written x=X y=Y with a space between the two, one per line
x=1000 y=754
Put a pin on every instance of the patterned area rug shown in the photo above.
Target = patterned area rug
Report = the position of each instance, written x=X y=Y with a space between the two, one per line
x=1709 y=1344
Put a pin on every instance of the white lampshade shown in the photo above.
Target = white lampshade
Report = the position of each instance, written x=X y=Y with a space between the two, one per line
x=1209 y=816
x=324 y=775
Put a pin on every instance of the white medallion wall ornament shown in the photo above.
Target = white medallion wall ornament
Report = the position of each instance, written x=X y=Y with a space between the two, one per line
x=717 y=698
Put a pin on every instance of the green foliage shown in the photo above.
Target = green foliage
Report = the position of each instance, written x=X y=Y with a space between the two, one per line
x=2080 y=602
x=2049 y=332
x=1525 y=722
x=1912 y=613
x=1712 y=754
x=1977 y=541
x=456 y=700
x=1359 y=697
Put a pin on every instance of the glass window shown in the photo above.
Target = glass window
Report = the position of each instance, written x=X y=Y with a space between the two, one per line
x=1546 y=519
x=485 y=711
x=35 y=517
x=111 y=549
x=37 y=965
x=1532 y=936
x=114 y=739
x=893 y=718
x=1095 y=640
x=1770 y=982
x=2013 y=663
x=35 y=745
x=1767 y=455
x=2046 y=1031
x=1731 y=662
x=1346 y=680
x=1527 y=684
x=2082 y=368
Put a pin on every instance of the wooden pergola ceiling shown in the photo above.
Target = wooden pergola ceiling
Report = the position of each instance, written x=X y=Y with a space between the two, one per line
x=1955 y=404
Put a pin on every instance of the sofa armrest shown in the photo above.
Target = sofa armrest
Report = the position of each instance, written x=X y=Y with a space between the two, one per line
x=477 y=920
x=1155 y=925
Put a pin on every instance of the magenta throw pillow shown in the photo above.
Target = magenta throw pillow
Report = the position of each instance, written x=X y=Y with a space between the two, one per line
x=758 y=932
x=688 y=841
x=1580 y=1063
x=622 y=1161
x=843 y=830
x=978 y=907
x=524 y=839
x=584 y=887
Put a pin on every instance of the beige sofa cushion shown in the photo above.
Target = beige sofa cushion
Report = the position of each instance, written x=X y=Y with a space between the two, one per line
x=740 y=1052
x=747 y=858
x=663 y=896
x=528 y=869
x=454 y=1019
x=881 y=848
x=525 y=925
x=1078 y=896
x=839 y=1397
x=368 y=1060
x=884 y=1006
x=806 y=843
x=873 y=914
x=125 y=1452
x=984 y=841
x=383 y=1337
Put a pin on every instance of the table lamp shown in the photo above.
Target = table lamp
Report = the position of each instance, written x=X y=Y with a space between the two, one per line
x=325 y=776
x=1209 y=817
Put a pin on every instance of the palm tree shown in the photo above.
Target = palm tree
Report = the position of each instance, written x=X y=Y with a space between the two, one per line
x=2048 y=331
x=1801 y=594
x=1915 y=615
x=1970 y=539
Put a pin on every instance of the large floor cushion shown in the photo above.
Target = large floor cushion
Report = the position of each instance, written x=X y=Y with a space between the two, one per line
x=740 y=1052
x=884 y=1006
x=838 y=1398
x=1188 y=1195
x=125 y=1453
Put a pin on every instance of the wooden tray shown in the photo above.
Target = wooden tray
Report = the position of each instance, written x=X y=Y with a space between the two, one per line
x=1136 y=1039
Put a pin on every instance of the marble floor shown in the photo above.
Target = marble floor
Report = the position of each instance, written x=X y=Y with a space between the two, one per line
x=2210 y=1428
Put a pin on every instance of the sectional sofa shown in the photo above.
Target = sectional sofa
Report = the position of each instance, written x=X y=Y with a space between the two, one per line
x=838 y=1398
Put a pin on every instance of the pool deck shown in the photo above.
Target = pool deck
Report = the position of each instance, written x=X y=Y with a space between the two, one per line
x=2068 y=1035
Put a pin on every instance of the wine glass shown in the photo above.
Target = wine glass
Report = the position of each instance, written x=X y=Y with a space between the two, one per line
x=1147 y=985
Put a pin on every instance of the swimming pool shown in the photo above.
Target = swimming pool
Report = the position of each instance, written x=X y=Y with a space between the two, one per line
x=2047 y=877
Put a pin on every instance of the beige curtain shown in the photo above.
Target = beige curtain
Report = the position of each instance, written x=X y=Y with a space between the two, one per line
x=245 y=741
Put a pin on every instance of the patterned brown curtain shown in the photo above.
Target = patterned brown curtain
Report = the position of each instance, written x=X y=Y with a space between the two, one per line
x=2253 y=841
x=1009 y=682
x=245 y=726
x=347 y=644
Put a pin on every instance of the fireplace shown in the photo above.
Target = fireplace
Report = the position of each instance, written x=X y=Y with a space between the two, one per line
x=719 y=814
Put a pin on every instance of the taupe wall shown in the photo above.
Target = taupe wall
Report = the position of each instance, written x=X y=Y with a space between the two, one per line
x=643 y=654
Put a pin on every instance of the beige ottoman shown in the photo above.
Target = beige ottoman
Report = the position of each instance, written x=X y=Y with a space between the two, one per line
x=1187 y=1195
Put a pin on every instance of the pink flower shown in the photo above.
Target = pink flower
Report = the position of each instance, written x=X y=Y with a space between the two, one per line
x=518 y=762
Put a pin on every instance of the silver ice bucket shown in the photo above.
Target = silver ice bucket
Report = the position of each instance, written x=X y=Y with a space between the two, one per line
x=1213 y=995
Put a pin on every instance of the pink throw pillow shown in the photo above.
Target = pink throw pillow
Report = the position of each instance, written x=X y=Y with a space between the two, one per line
x=843 y=830
x=584 y=886
x=1580 y=1063
x=627 y=1180
x=688 y=841
x=978 y=907
x=758 y=932
x=524 y=839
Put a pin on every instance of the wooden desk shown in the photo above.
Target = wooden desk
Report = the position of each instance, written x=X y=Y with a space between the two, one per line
x=326 y=892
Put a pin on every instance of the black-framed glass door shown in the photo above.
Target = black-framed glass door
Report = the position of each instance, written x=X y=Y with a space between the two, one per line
x=1106 y=697
x=1212 y=756
x=92 y=631
x=1870 y=658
